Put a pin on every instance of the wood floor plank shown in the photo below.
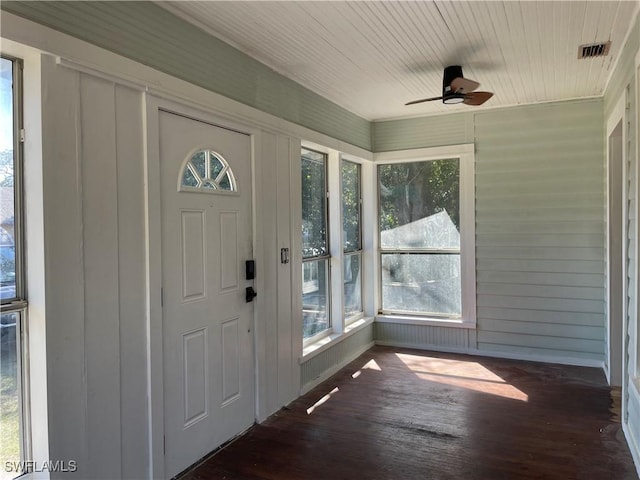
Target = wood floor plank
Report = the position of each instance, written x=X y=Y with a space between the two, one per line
x=399 y=414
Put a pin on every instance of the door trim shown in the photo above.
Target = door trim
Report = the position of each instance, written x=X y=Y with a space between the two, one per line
x=614 y=351
x=153 y=239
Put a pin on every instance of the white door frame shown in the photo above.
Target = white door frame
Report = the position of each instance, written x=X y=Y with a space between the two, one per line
x=616 y=256
x=155 y=374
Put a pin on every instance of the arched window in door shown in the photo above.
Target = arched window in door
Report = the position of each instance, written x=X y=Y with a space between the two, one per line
x=207 y=171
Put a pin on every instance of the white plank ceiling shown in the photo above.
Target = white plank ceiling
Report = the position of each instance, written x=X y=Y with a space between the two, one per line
x=373 y=57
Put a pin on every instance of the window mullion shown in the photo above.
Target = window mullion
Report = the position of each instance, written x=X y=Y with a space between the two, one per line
x=334 y=187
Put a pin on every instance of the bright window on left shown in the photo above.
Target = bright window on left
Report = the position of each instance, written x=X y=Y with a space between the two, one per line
x=12 y=294
x=315 y=245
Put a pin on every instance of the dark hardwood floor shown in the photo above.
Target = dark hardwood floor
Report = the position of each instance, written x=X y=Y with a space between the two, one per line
x=405 y=414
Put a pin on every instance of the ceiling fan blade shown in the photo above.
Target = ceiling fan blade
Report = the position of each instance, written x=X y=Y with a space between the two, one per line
x=463 y=85
x=423 y=100
x=477 y=98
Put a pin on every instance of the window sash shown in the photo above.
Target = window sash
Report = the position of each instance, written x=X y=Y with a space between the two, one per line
x=358 y=200
x=352 y=314
x=437 y=288
x=387 y=250
x=18 y=299
x=323 y=248
x=316 y=312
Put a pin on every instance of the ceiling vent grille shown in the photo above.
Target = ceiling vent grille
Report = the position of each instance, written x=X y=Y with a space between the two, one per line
x=593 y=50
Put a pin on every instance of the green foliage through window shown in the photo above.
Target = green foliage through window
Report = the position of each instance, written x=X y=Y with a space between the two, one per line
x=416 y=190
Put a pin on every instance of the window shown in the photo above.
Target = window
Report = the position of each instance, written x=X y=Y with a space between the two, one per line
x=12 y=298
x=426 y=259
x=206 y=171
x=352 y=239
x=315 y=245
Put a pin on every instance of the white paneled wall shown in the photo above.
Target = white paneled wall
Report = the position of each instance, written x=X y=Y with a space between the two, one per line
x=97 y=317
x=94 y=254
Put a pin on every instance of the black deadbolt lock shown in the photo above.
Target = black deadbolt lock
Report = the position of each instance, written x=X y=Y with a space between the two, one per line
x=250 y=269
x=250 y=294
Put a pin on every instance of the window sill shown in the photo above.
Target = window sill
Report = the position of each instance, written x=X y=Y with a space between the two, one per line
x=329 y=341
x=430 y=321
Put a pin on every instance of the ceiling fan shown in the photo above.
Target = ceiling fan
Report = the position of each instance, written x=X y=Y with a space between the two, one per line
x=457 y=89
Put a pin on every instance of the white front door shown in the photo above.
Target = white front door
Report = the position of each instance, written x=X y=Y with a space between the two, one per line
x=207 y=322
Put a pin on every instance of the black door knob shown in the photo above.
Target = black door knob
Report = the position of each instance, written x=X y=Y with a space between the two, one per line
x=250 y=294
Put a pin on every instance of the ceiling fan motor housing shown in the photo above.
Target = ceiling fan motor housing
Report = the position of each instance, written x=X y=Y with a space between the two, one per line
x=450 y=73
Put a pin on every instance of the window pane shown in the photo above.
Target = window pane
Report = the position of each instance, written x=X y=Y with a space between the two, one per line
x=199 y=164
x=315 y=297
x=421 y=283
x=7 y=206
x=352 y=285
x=216 y=165
x=10 y=441
x=351 y=206
x=188 y=179
x=419 y=204
x=314 y=204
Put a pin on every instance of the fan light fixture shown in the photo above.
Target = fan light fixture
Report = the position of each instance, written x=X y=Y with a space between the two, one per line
x=457 y=89
x=453 y=98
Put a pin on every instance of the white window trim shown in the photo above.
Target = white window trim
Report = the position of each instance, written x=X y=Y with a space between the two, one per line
x=466 y=155
x=634 y=343
x=341 y=327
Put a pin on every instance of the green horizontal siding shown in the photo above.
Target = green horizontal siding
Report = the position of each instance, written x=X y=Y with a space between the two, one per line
x=146 y=33
x=540 y=230
x=423 y=132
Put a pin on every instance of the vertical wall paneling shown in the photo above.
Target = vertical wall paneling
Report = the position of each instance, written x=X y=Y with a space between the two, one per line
x=94 y=226
x=615 y=224
x=153 y=278
x=65 y=304
x=631 y=267
x=540 y=199
x=280 y=377
x=131 y=234
x=267 y=278
x=100 y=243
x=289 y=327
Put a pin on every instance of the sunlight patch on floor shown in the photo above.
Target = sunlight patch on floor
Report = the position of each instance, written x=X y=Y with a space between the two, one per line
x=469 y=375
x=324 y=399
x=370 y=365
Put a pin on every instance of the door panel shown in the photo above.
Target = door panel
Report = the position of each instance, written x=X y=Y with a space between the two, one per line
x=207 y=324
